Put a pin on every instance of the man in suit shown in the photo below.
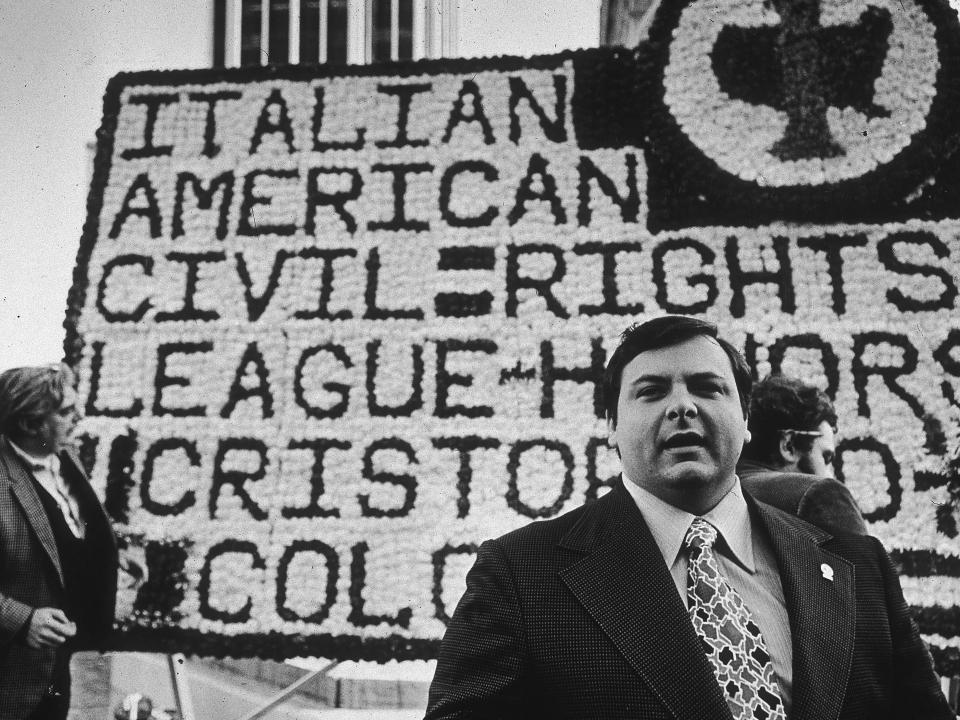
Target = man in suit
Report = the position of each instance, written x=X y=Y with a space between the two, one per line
x=788 y=461
x=58 y=557
x=677 y=595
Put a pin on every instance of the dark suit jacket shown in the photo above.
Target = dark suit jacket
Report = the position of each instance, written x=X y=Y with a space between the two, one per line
x=31 y=576
x=578 y=617
x=824 y=502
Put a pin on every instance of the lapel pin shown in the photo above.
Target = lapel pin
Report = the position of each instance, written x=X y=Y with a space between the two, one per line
x=827 y=571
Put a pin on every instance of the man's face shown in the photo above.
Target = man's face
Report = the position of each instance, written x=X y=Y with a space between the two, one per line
x=57 y=429
x=818 y=460
x=680 y=428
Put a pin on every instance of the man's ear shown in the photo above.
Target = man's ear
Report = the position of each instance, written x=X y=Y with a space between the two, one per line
x=28 y=427
x=612 y=435
x=788 y=449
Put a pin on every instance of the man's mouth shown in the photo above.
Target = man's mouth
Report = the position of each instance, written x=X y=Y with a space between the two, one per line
x=683 y=440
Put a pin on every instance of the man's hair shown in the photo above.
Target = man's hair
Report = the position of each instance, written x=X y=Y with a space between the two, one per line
x=30 y=394
x=782 y=403
x=662 y=332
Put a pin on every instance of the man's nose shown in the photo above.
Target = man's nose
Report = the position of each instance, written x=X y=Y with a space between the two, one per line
x=682 y=406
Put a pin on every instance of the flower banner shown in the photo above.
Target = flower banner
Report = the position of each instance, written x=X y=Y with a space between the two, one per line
x=337 y=325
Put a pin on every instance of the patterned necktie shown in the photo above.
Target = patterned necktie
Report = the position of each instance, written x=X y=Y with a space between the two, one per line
x=729 y=635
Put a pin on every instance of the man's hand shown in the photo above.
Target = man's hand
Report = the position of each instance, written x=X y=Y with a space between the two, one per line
x=49 y=627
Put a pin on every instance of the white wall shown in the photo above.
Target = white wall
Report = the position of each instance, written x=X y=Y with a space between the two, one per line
x=514 y=27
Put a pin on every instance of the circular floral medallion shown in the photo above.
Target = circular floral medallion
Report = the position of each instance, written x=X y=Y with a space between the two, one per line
x=804 y=108
x=761 y=89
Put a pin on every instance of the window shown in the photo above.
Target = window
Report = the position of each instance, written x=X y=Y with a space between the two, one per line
x=391 y=30
x=262 y=32
x=323 y=31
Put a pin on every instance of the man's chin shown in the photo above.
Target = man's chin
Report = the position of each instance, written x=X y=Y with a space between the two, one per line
x=693 y=470
x=693 y=477
x=696 y=487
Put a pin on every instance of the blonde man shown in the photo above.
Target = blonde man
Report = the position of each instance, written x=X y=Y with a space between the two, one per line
x=58 y=557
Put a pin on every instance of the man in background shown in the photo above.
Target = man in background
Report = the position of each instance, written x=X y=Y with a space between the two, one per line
x=788 y=462
x=58 y=557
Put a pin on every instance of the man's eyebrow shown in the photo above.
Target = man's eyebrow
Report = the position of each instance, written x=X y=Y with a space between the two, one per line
x=654 y=378
x=649 y=377
x=707 y=375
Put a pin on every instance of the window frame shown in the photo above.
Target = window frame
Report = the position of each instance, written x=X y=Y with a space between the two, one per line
x=433 y=30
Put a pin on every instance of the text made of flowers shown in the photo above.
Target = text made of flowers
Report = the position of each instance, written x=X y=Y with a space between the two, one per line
x=336 y=326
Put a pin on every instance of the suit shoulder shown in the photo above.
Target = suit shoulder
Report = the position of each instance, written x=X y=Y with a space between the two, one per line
x=554 y=530
x=827 y=485
x=775 y=478
x=826 y=492
x=780 y=489
x=773 y=514
x=855 y=545
x=543 y=530
x=6 y=458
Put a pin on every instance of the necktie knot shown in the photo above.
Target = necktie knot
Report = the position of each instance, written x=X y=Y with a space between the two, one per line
x=700 y=535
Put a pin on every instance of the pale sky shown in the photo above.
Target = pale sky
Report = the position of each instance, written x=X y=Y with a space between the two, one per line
x=57 y=58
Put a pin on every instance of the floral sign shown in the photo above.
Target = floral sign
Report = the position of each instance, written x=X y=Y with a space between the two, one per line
x=336 y=326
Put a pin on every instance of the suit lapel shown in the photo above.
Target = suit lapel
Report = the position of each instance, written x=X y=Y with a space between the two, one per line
x=21 y=486
x=822 y=615
x=626 y=587
x=94 y=515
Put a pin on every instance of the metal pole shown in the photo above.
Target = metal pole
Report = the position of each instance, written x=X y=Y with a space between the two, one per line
x=293 y=32
x=394 y=29
x=264 y=32
x=181 y=687
x=234 y=30
x=288 y=691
